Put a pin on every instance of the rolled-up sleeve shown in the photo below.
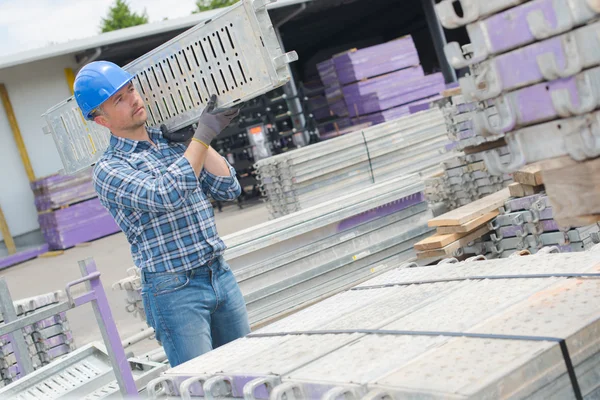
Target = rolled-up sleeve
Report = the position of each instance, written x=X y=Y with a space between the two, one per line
x=222 y=188
x=120 y=185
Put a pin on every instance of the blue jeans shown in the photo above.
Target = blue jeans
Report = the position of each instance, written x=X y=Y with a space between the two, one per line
x=194 y=311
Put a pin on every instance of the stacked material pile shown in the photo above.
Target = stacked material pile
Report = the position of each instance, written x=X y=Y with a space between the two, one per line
x=458 y=230
x=543 y=80
x=465 y=178
x=46 y=340
x=69 y=212
x=297 y=259
x=436 y=332
x=520 y=218
x=376 y=84
x=132 y=285
x=302 y=178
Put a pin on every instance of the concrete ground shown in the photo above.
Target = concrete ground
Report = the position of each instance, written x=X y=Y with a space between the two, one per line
x=44 y=275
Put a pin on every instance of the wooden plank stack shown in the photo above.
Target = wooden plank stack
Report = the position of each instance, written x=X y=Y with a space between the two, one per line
x=374 y=85
x=69 y=213
x=458 y=228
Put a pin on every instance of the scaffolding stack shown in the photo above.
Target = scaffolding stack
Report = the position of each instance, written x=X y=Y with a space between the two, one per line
x=528 y=224
x=300 y=179
x=46 y=340
x=510 y=328
x=537 y=89
x=465 y=178
x=295 y=260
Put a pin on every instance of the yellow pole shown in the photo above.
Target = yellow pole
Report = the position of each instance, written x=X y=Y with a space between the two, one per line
x=70 y=75
x=16 y=132
x=8 y=239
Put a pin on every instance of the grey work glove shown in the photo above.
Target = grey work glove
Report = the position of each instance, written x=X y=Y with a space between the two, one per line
x=212 y=121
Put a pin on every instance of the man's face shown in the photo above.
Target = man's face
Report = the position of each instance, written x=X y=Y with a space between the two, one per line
x=124 y=111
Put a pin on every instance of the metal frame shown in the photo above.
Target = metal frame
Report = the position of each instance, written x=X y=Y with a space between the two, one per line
x=96 y=296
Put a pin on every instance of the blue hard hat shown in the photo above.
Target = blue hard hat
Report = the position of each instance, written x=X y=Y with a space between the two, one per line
x=96 y=82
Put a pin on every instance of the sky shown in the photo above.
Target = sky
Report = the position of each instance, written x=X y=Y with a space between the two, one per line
x=30 y=24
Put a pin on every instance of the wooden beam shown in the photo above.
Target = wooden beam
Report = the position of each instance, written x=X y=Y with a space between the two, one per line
x=8 y=239
x=472 y=210
x=529 y=175
x=449 y=250
x=16 y=133
x=521 y=190
x=574 y=189
x=468 y=226
x=438 y=241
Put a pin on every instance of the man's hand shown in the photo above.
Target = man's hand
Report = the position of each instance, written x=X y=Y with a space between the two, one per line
x=212 y=121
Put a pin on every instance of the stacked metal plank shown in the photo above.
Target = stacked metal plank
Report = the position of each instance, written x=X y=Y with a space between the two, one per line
x=302 y=178
x=465 y=178
x=297 y=259
x=69 y=212
x=433 y=332
x=537 y=63
x=528 y=223
x=375 y=84
x=86 y=374
x=47 y=339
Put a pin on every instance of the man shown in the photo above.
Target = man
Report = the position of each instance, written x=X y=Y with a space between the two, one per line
x=157 y=190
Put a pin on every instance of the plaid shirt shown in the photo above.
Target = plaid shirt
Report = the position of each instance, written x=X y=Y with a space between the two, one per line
x=162 y=207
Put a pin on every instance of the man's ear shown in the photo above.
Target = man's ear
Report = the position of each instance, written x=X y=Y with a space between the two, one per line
x=101 y=120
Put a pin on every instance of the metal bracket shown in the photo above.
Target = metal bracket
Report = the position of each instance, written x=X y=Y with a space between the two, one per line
x=507 y=119
x=573 y=62
x=450 y=19
x=267 y=382
x=344 y=392
x=284 y=59
x=161 y=386
x=218 y=387
x=288 y=391
x=494 y=163
x=541 y=28
x=563 y=104
x=186 y=387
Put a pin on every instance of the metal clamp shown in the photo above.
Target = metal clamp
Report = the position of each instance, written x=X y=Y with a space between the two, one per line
x=450 y=260
x=541 y=28
x=268 y=383
x=548 y=250
x=288 y=391
x=480 y=257
x=187 y=385
x=588 y=99
x=573 y=62
x=494 y=163
x=92 y=276
x=520 y=253
x=506 y=116
x=378 y=395
x=344 y=392
x=218 y=387
x=161 y=386
x=450 y=19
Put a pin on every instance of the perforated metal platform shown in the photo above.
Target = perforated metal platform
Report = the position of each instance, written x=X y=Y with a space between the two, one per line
x=85 y=373
x=236 y=56
x=469 y=330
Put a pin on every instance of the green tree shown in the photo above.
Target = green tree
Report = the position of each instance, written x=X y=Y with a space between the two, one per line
x=120 y=16
x=205 y=5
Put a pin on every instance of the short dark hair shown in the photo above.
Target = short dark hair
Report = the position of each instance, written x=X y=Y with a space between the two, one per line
x=97 y=112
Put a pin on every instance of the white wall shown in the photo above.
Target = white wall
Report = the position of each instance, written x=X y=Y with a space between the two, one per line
x=33 y=89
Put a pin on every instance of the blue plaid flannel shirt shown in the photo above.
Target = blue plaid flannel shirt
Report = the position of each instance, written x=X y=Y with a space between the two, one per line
x=160 y=204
